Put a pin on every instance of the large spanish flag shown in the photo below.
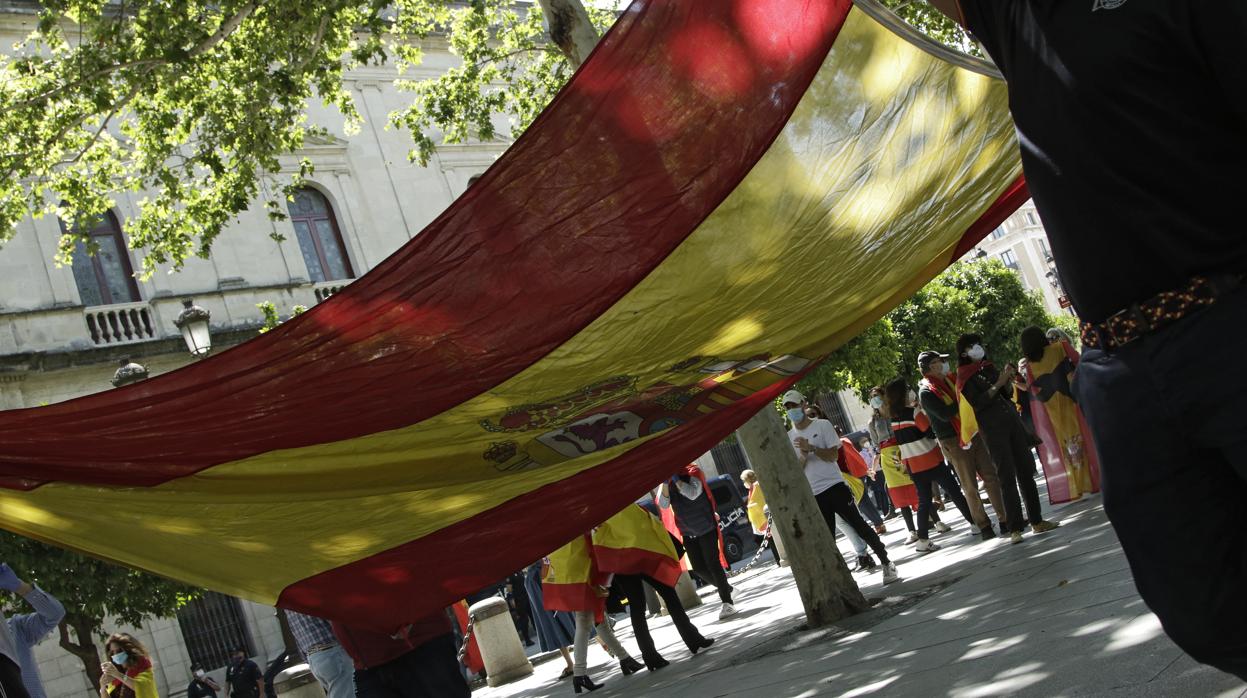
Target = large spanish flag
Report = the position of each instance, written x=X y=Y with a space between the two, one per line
x=724 y=193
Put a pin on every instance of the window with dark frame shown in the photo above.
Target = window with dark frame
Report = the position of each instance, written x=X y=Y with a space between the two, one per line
x=320 y=238
x=212 y=626
x=998 y=233
x=105 y=277
x=1010 y=259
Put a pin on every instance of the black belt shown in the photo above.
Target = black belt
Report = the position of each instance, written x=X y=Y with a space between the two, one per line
x=1157 y=312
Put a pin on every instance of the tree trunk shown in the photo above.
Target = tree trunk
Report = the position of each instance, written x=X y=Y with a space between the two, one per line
x=570 y=29
x=827 y=589
x=84 y=649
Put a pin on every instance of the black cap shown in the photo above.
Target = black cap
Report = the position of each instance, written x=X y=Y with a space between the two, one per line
x=926 y=357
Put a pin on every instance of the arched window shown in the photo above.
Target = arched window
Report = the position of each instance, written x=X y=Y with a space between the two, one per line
x=105 y=277
x=319 y=237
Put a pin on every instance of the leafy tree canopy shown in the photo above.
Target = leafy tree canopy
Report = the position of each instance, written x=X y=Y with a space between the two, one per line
x=189 y=105
x=983 y=297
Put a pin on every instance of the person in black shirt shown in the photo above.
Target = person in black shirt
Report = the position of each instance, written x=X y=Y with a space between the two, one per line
x=243 y=678
x=1132 y=120
x=202 y=685
x=987 y=390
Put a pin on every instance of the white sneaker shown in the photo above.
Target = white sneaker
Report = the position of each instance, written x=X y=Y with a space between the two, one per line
x=913 y=538
x=1015 y=537
x=890 y=574
x=926 y=546
x=942 y=527
x=726 y=610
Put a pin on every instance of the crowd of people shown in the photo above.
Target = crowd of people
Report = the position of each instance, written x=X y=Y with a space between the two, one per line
x=964 y=427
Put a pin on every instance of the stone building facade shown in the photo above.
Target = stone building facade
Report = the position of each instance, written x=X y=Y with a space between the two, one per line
x=63 y=330
x=1022 y=244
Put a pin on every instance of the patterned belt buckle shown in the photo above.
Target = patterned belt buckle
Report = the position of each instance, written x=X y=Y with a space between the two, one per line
x=1133 y=323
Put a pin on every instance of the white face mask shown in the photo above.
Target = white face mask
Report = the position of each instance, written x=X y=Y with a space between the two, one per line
x=939 y=368
x=976 y=352
x=911 y=396
x=876 y=402
x=200 y=673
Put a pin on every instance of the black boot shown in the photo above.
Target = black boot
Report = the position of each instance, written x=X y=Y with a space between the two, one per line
x=705 y=643
x=654 y=661
x=579 y=682
x=629 y=666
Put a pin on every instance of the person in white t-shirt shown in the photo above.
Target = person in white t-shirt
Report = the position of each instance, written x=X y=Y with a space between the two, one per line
x=817 y=445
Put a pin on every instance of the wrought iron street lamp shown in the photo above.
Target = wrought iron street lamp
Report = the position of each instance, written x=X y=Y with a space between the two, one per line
x=193 y=322
x=129 y=372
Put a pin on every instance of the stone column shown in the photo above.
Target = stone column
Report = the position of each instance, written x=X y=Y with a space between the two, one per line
x=687 y=591
x=498 y=641
x=297 y=682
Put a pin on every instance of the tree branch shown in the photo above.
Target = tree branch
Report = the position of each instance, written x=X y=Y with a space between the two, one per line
x=516 y=52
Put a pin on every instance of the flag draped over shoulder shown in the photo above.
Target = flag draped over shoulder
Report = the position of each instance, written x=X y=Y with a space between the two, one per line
x=635 y=542
x=1071 y=465
x=643 y=270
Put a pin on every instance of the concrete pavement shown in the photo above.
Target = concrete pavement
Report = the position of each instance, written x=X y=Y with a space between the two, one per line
x=1056 y=615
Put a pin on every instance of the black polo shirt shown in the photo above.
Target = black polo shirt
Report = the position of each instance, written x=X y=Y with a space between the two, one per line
x=1132 y=118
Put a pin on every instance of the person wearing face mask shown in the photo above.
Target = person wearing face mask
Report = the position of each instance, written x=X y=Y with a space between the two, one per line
x=864 y=563
x=201 y=685
x=129 y=673
x=243 y=678
x=853 y=469
x=697 y=518
x=817 y=444
x=985 y=391
x=937 y=393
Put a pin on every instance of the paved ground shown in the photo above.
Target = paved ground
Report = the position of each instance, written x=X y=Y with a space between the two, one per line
x=1057 y=615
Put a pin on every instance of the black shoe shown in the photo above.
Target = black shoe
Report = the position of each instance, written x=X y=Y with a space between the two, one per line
x=987 y=533
x=579 y=682
x=866 y=563
x=655 y=662
x=705 y=643
x=629 y=666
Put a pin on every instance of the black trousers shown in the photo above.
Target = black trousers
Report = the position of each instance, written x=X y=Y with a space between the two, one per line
x=1165 y=413
x=632 y=587
x=429 y=671
x=837 y=500
x=1010 y=447
x=703 y=552
x=923 y=482
x=879 y=488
